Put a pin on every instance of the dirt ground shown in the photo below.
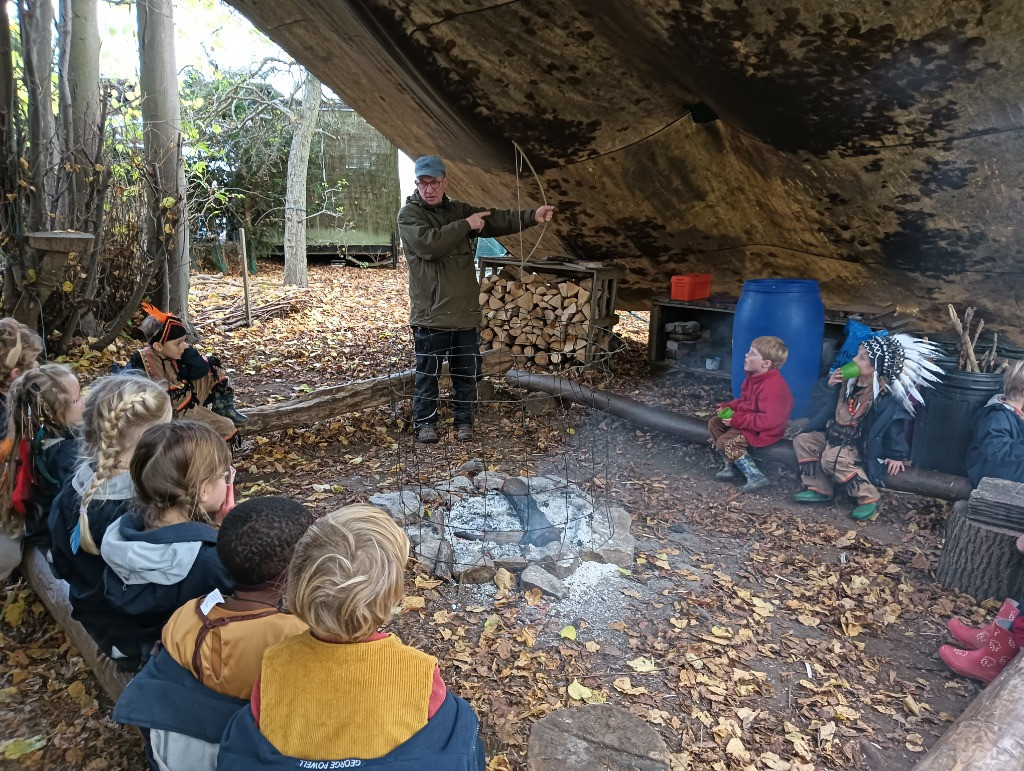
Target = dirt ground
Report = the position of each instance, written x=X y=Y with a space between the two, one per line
x=751 y=632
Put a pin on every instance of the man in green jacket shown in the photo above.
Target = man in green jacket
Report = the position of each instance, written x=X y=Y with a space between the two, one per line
x=439 y=235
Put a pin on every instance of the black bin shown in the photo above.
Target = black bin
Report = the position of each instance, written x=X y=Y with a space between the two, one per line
x=945 y=422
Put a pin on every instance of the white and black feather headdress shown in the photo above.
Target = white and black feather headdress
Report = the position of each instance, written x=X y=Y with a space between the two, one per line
x=905 y=363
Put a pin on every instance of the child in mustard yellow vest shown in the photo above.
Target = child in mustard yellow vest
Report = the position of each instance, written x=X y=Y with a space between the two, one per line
x=343 y=692
x=198 y=388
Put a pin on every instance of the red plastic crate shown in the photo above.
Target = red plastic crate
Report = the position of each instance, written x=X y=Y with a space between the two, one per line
x=692 y=286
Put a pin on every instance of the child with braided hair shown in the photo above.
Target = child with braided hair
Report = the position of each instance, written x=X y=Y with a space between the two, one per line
x=197 y=385
x=43 y=406
x=20 y=349
x=118 y=408
x=163 y=552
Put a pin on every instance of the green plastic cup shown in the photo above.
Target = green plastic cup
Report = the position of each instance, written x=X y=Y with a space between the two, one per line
x=725 y=413
x=850 y=369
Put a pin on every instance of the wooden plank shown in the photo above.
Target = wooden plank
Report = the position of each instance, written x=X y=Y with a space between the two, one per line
x=54 y=594
x=989 y=735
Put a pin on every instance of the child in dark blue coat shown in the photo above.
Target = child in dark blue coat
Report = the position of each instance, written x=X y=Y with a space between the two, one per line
x=117 y=410
x=997 y=449
x=163 y=553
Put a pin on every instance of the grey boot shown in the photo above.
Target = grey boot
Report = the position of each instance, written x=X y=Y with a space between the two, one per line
x=755 y=479
x=728 y=473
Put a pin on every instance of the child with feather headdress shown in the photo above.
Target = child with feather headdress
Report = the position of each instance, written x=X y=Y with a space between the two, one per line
x=861 y=436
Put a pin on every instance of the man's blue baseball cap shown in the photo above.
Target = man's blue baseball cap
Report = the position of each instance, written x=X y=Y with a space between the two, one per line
x=429 y=166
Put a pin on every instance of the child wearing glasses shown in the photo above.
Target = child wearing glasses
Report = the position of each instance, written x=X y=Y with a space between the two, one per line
x=163 y=552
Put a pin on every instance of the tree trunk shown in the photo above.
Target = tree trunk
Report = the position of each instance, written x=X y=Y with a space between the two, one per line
x=166 y=243
x=10 y=208
x=295 y=195
x=83 y=77
x=979 y=560
x=36 y=18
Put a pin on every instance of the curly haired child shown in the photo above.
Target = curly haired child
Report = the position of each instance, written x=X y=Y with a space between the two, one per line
x=997 y=449
x=20 y=349
x=759 y=417
x=163 y=552
x=198 y=388
x=213 y=646
x=43 y=406
x=343 y=692
x=118 y=408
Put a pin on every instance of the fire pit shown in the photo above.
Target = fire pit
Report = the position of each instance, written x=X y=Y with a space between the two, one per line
x=472 y=524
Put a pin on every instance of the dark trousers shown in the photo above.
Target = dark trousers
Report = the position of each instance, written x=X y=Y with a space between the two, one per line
x=462 y=350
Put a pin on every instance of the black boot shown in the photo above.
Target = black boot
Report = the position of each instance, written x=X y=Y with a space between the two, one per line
x=222 y=402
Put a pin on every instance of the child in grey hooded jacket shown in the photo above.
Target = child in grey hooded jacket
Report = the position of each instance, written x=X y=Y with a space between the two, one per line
x=163 y=553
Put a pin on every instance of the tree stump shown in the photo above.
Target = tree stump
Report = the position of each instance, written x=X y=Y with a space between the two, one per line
x=980 y=560
x=989 y=735
x=597 y=737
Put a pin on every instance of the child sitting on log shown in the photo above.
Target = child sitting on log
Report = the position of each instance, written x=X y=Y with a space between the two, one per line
x=118 y=408
x=213 y=646
x=997 y=449
x=44 y=405
x=758 y=418
x=163 y=552
x=988 y=649
x=860 y=434
x=20 y=349
x=198 y=388
x=343 y=692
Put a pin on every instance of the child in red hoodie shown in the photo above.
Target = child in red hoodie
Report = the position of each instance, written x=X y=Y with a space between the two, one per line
x=758 y=418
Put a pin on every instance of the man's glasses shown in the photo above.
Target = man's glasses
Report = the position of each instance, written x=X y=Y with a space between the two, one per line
x=432 y=185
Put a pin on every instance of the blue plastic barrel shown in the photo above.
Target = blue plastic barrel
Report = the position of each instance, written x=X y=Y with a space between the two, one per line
x=788 y=308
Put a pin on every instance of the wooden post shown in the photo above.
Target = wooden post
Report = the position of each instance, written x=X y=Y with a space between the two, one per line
x=245 y=276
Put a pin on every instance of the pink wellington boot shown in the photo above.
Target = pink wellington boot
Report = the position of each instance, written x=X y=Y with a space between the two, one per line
x=973 y=638
x=985 y=663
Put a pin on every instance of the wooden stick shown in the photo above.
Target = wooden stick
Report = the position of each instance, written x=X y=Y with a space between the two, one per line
x=245 y=276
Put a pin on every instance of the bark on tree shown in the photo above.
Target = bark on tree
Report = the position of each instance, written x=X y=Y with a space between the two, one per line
x=167 y=241
x=295 y=195
x=10 y=219
x=36 y=19
x=83 y=79
x=979 y=560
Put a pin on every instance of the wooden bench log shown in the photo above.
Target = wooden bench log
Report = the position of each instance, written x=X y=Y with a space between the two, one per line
x=933 y=484
x=980 y=560
x=54 y=594
x=998 y=503
x=332 y=401
x=989 y=735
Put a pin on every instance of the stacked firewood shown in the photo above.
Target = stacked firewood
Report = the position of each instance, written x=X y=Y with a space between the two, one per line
x=538 y=315
x=969 y=360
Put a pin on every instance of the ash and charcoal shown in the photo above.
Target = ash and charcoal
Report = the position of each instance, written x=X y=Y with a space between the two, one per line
x=467 y=528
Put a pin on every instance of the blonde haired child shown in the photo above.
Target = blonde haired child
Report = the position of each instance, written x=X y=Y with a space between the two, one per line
x=118 y=408
x=164 y=552
x=758 y=418
x=213 y=645
x=997 y=449
x=343 y=692
x=20 y=349
x=43 y=406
